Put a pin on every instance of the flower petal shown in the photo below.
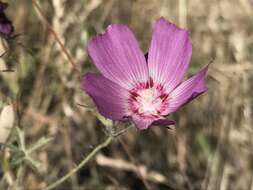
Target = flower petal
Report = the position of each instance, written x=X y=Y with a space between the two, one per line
x=117 y=55
x=144 y=123
x=187 y=91
x=141 y=123
x=169 y=54
x=108 y=96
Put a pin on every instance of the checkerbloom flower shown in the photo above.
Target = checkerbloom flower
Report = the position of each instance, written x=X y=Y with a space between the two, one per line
x=143 y=90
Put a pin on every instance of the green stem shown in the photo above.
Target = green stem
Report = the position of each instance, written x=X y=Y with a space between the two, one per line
x=20 y=177
x=79 y=166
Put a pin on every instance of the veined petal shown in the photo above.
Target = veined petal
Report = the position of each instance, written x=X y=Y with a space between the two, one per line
x=169 y=54
x=187 y=91
x=109 y=97
x=118 y=57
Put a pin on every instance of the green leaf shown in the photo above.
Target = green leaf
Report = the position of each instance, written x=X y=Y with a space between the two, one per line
x=40 y=143
x=20 y=138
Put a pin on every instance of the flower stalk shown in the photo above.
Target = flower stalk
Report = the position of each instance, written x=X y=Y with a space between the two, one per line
x=110 y=138
x=82 y=163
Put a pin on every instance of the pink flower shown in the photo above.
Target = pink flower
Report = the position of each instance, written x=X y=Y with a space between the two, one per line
x=144 y=91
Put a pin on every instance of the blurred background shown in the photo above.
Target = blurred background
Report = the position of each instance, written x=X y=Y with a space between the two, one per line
x=211 y=145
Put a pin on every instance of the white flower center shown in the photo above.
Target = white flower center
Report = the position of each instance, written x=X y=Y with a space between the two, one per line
x=148 y=100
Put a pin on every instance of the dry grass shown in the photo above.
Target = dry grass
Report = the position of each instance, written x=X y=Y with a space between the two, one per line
x=211 y=147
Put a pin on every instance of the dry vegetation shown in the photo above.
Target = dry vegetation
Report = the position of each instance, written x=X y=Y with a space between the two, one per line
x=211 y=146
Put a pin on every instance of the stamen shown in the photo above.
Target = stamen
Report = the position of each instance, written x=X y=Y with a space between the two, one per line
x=148 y=100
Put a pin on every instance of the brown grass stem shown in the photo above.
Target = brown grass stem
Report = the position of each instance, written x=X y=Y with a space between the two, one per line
x=51 y=29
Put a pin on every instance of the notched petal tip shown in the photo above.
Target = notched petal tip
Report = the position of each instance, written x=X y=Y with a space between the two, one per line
x=162 y=22
x=118 y=56
x=167 y=23
x=109 y=29
x=169 y=53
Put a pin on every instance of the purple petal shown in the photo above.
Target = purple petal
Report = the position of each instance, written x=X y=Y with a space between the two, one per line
x=187 y=91
x=141 y=123
x=117 y=55
x=169 y=54
x=108 y=96
x=144 y=123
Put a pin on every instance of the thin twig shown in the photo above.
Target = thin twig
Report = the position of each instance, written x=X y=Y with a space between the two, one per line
x=87 y=158
x=118 y=133
x=50 y=28
x=122 y=131
x=79 y=166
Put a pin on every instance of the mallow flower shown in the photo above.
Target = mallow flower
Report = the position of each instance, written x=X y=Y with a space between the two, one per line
x=142 y=90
